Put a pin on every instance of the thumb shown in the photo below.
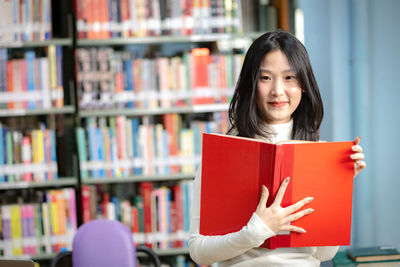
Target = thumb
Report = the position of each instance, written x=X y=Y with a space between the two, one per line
x=264 y=197
x=357 y=140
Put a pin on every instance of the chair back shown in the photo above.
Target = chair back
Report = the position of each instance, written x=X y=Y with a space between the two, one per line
x=103 y=243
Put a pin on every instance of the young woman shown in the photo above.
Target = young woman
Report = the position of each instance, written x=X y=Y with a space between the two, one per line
x=276 y=98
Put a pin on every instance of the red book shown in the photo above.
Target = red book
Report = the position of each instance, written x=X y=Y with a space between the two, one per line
x=177 y=220
x=104 y=202
x=10 y=88
x=145 y=189
x=200 y=87
x=235 y=168
x=85 y=203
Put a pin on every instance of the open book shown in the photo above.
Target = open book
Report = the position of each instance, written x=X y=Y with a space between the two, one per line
x=235 y=168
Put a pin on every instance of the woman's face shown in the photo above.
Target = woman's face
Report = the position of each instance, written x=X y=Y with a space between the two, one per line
x=278 y=91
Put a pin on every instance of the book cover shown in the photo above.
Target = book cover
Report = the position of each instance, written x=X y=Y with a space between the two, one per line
x=16 y=230
x=377 y=253
x=242 y=165
x=145 y=189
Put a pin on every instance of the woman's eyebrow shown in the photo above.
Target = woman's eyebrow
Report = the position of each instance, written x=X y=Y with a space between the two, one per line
x=263 y=69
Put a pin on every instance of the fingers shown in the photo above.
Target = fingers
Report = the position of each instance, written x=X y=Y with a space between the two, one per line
x=357 y=156
x=299 y=204
x=361 y=165
x=357 y=140
x=298 y=215
x=292 y=228
x=263 y=198
x=281 y=192
x=357 y=148
x=358 y=167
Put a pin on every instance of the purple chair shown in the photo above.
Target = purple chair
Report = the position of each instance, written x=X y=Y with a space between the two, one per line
x=106 y=243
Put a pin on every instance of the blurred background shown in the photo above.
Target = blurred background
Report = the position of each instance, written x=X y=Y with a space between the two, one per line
x=354 y=50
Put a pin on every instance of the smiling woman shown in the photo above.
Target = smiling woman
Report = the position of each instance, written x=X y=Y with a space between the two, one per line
x=278 y=92
x=276 y=98
x=276 y=66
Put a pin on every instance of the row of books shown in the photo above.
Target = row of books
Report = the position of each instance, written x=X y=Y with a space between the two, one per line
x=368 y=256
x=32 y=82
x=103 y=19
x=158 y=216
x=124 y=146
x=25 y=20
x=27 y=155
x=39 y=228
x=107 y=78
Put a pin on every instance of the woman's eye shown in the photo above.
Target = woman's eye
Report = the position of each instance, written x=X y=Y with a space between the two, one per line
x=290 y=77
x=263 y=77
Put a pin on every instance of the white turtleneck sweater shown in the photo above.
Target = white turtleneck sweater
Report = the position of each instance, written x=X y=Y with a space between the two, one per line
x=241 y=249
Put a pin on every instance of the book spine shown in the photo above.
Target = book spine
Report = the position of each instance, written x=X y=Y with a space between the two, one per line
x=45 y=82
x=16 y=230
x=59 y=98
x=146 y=189
x=86 y=203
x=30 y=75
x=10 y=157
x=2 y=152
x=52 y=55
x=46 y=227
x=27 y=157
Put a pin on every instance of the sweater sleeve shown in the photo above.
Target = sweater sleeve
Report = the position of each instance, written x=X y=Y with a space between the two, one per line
x=210 y=249
x=326 y=253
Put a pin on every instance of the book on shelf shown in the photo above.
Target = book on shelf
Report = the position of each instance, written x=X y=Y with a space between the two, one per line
x=27 y=155
x=341 y=259
x=45 y=226
x=119 y=147
x=134 y=18
x=194 y=78
x=377 y=253
x=32 y=82
x=241 y=166
x=25 y=21
x=156 y=214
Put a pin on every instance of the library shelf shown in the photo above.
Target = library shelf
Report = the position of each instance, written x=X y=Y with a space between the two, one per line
x=140 y=178
x=33 y=44
x=166 y=39
x=35 y=112
x=61 y=181
x=154 y=111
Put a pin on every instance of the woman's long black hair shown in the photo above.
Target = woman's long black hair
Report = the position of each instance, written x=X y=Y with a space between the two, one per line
x=245 y=118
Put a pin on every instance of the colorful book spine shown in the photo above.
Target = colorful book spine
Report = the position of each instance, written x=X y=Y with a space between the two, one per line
x=82 y=152
x=6 y=230
x=16 y=230
x=27 y=157
x=30 y=75
x=3 y=155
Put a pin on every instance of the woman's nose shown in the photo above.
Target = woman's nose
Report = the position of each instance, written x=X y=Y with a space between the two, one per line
x=278 y=88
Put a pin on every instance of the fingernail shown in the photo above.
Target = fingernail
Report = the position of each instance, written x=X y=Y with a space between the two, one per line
x=310 y=210
x=310 y=199
x=287 y=179
x=352 y=156
x=304 y=231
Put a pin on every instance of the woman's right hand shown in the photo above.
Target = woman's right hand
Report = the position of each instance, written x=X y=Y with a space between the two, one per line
x=278 y=218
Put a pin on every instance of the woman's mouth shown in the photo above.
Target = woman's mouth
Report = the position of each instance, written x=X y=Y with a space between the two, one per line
x=277 y=104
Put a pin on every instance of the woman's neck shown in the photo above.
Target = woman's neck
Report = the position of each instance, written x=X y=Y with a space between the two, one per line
x=279 y=132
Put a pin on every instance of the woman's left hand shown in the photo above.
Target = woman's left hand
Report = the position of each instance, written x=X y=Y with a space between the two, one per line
x=358 y=157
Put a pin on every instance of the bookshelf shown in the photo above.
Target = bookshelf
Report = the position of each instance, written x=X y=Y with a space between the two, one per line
x=96 y=111
x=38 y=202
